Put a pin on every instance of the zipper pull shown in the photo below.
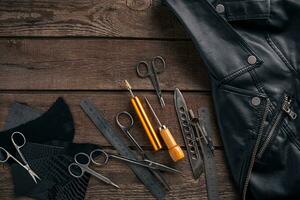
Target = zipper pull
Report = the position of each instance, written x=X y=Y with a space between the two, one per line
x=286 y=107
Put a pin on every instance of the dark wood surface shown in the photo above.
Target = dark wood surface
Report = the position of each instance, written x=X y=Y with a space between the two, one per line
x=84 y=49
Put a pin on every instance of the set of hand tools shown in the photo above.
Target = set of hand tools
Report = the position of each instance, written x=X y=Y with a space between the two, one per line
x=197 y=140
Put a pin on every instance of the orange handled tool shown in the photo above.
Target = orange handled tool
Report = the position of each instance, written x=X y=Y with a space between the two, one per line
x=175 y=150
x=140 y=111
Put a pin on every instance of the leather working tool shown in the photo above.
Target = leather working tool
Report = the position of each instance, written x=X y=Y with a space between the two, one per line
x=199 y=125
x=81 y=165
x=126 y=128
x=104 y=157
x=156 y=67
x=18 y=140
x=175 y=150
x=142 y=115
x=207 y=150
x=144 y=174
x=189 y=136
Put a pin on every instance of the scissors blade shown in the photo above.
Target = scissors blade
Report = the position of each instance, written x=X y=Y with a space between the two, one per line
x=33 y=175
x=101 y=177
x=156 y=86
x=162 y=167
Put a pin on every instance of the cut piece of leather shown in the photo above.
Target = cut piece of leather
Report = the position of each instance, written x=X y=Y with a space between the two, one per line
x=54 y=125
x=48 y=161
x=56 y=181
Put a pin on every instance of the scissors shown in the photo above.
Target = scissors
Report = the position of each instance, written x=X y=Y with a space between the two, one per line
x=18 y=144
x=152 y=71
x=104 y=158
x=81 y=165
x=126 y=128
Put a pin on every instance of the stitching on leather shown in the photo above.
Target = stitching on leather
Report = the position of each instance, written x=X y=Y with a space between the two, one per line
x=234 y=34
x=246 y=17
x=279 y=53
x=257 y=82
x=244 y=1
x=262 y=13
x=237 y=73
x=291 y=135
x=241 y=91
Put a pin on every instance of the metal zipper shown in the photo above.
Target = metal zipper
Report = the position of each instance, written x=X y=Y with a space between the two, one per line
x=255 y=149
x=285 y=109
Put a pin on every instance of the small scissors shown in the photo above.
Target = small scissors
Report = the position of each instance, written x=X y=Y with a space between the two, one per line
x=6 y=155
x=81 y=165
x=127 y=127
x=152 y=71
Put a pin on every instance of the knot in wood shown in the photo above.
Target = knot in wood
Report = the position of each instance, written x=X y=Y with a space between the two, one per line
x=138 y=4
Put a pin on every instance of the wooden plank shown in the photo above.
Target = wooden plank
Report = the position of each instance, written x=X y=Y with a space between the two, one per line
x=110 y=103
x=96 y=64
x=100 y=18
x=182 y=187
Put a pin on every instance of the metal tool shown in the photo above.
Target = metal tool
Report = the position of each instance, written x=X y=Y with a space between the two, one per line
x=144 y=119
x=144 y=163
x=189 y=136
x=199 y=124
x=18 y=144
x=81 y=165
x=175 y=150
x=126 y=129
x=143 y=174
x=204 y=139
x=152 y=70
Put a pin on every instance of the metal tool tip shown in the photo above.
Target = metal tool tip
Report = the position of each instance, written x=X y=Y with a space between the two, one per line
x=115 y=185
x=127 y=85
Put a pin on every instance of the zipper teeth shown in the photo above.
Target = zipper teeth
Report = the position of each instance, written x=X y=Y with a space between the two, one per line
x=247 y=180
x=270 y=135
x=285 y=106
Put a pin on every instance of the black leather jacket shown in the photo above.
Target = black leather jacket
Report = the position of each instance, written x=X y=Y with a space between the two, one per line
x=251 y=50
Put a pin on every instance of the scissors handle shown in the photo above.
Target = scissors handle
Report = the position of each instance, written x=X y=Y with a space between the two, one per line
x=82 y=159
x=101 y=156
x=18 y=139
x=76 y=170
x=4 y=155
x=143 y=73
x=159 y=64
x=129 y=125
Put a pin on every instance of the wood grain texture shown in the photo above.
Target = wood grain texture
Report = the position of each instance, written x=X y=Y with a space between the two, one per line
x=100 y=18
x=93 y=64
x=182 y=187
x=111 y=103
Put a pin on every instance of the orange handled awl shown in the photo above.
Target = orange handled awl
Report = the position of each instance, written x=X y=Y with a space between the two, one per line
x=175 y=150
x=140 y=111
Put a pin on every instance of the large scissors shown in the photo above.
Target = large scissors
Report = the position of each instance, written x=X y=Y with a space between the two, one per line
x=81 y=165
x=156 y=67
x=18 y=140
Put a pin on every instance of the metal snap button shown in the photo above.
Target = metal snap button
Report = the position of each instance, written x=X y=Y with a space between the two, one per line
x=252 y=60
x=220 y=8
x=255 y=101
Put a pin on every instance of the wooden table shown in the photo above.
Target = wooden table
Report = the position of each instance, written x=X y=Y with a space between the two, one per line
x=84 y=49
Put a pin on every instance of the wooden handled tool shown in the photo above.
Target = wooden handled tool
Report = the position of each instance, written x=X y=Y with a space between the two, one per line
x=175 y=150
x=140 y=111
